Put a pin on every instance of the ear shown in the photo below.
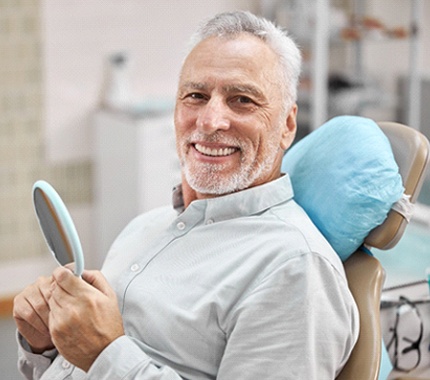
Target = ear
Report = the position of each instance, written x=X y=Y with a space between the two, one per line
x=290 y=127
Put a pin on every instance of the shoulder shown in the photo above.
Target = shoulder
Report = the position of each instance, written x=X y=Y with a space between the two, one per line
x=298 y=230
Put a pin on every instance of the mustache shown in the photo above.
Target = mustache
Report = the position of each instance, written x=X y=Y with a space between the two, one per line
x=216 y=137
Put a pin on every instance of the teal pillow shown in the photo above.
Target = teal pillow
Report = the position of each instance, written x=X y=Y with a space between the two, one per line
x=345 y=177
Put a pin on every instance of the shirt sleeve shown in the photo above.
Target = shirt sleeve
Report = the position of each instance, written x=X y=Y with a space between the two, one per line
x=300 y=322
x=124 y=360
x=32 y=366
x=121 y=360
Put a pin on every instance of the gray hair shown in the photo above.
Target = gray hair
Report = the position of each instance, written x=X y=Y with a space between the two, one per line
x=232 y=24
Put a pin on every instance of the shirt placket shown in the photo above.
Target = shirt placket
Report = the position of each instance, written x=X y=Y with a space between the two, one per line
x=179 y=227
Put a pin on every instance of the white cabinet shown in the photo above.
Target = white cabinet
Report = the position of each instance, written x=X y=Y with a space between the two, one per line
x=135 y=169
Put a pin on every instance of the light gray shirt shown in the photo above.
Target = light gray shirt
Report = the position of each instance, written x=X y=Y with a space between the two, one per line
x=241 y=286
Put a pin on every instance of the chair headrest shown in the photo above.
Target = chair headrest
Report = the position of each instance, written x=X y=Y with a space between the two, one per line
x=411 y=152
x=346 y=177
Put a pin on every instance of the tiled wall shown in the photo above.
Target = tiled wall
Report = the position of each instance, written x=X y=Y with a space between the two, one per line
x=21 y=133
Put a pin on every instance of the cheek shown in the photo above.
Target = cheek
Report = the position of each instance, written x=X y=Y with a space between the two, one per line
x=182 y=121
x=264 y=136
x=253 y=148
x=267 y=144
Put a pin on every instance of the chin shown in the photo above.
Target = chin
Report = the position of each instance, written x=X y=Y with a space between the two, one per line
x=218 y=185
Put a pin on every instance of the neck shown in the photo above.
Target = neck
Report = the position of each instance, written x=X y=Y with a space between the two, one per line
x=189 y=194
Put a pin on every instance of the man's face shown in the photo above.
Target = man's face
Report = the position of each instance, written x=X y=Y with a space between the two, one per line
x=230 y=118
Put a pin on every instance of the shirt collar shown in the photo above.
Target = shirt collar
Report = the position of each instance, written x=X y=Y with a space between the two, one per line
x=246 y=202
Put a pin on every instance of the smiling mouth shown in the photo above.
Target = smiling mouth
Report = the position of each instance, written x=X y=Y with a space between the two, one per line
x=215 y=152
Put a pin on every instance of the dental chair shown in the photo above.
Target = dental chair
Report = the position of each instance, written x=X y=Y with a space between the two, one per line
x=408 y=150
x=364 y=272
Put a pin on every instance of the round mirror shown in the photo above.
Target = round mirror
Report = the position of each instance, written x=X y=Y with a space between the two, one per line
x=57 y=226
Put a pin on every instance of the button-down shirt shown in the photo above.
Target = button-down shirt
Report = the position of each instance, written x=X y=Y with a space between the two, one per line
x=241 y=286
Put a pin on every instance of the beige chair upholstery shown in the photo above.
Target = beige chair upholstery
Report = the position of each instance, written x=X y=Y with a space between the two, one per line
x=411 y=152
x=365 y=274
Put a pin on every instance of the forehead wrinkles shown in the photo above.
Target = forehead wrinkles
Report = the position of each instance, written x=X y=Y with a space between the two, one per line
x=227 y=89
x=244 y=63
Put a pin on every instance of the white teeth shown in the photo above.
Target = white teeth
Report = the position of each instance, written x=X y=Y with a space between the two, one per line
x=215 y=152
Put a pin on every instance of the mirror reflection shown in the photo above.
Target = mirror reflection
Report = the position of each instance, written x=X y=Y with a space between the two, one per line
x=57 y=226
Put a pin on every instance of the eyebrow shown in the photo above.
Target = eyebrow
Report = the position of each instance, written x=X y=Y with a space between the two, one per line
x=193 y=86
x=244 y=88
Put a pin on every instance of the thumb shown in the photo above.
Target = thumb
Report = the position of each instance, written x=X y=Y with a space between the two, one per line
x=98 y=281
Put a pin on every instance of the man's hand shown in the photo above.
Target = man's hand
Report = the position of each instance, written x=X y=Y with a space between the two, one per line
x=31 y=314
x=84 y=317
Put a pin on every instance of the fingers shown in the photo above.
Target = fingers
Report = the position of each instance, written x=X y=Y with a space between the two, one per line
x=32 y=303
x=31 y=313
x=67 y=286
x=98 y=281
x=74 y=285
x=63 y=290
x=66 y=280
x=39 y=305
x=70 y=266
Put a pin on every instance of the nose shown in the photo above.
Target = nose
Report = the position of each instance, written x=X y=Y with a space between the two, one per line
x=213 y=116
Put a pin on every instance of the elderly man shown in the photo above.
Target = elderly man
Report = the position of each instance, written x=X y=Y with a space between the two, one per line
x=234 y=281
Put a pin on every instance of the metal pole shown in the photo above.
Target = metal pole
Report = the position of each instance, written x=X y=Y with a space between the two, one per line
x=414 y=108
x=320 y=64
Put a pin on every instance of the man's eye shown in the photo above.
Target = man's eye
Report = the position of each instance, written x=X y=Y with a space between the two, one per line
x=196 y=95
x=244 y=100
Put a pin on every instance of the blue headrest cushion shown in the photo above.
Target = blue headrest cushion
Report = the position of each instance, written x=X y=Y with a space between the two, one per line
x=345 y=177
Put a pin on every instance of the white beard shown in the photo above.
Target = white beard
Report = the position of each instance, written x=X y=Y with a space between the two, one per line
x=207 y=178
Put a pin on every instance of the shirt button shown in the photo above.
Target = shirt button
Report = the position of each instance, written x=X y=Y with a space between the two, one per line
x=209 y=221
x=65 y=364
x=180 y=226
x=134 y=267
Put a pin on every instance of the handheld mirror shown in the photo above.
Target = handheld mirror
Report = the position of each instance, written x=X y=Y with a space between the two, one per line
x=57 y=226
